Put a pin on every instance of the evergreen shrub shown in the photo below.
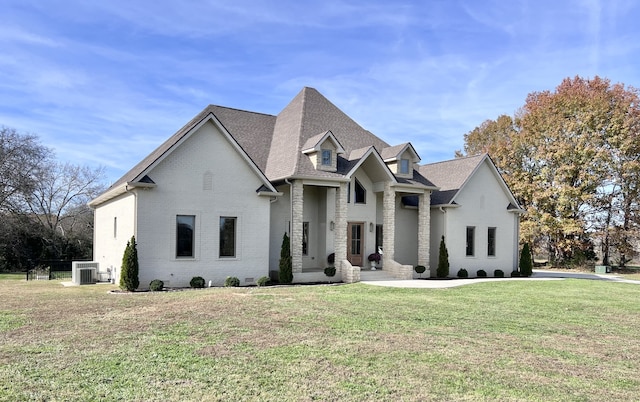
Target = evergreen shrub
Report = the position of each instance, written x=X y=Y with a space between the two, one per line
x=197 y=282
x=526 y=263
x=129 y=280
x=443 y=261
x=285 y=276
x=232 y=282
x=330 y=271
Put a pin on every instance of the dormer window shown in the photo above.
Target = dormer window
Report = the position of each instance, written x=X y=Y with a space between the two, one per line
x=400 y=159
x=322 y=150
x=326 y=157
x=404 y=166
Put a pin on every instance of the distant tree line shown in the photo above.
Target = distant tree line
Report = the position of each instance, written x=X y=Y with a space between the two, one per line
x=572 y=159
x=43 y=204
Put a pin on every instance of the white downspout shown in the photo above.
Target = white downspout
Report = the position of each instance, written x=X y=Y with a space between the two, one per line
x=444 y=221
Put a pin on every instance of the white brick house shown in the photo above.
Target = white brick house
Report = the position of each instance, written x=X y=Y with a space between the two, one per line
x=215 y=199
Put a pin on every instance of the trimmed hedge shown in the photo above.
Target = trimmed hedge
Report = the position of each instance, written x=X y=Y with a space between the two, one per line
x=231 y=282
x=462 y=273
x=197 y=282
x=330 y=271
x=156 y=285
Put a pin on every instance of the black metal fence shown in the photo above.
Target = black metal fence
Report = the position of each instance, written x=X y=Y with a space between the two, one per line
x=50 y=269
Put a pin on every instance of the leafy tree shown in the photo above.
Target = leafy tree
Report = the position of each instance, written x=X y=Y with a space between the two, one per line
x=571 y=157
x=443 y=260
x=286 y=271
x=129 y=272
x=526 y=264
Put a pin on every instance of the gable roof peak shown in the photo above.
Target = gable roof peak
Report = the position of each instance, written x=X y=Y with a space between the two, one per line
x=308 y=114
x=396 y=151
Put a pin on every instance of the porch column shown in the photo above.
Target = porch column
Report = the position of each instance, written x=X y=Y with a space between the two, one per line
x=424 y=217
x=297 y=202
x=340 y=229
x=389 y=222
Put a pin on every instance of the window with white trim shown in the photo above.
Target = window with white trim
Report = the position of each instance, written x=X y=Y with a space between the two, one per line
x=360 y=193
x=491 y=242
x=228 y=236
x=326 y=157
x=404 y=166
x=185 y=233
x=471 y=238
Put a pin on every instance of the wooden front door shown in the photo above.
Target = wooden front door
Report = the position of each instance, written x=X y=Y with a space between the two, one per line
x=355 y=243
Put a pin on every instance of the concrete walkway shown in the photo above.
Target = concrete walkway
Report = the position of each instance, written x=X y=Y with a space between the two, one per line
x=538 y=275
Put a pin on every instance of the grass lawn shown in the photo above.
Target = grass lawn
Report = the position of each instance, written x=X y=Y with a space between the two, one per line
x=518 y=340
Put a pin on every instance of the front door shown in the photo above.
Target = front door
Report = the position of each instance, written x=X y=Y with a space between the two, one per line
x=355 y=243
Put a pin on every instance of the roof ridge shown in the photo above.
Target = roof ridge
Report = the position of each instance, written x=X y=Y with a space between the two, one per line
x=240 y=110
x=455 y=159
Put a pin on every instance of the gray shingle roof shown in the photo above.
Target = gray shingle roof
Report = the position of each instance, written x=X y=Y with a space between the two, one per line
x=450 y=176
x=308 y=114
x=274 y=143
x=251 y=130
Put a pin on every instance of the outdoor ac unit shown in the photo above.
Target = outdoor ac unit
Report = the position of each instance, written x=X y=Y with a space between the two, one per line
x=86 y=276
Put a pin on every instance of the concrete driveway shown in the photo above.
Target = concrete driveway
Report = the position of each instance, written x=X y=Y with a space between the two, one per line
x=538 y=275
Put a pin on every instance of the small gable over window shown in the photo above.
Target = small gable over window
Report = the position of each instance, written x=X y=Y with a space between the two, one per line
x=401 y=159
x=323 y=150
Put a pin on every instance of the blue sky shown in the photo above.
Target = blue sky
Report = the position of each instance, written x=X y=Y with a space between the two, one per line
x=104 y=83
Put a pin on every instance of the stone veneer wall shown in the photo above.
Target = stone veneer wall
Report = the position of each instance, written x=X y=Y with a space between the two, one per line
x=350 y=274
x=424 y=218
x=340 y=229
x=297 y=202
x=389 y=224
x=400 y=271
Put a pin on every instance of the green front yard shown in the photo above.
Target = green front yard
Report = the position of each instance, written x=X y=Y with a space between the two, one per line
x=519 y=340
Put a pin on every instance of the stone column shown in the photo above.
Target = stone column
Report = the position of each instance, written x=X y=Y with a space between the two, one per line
x=297 y=202
x=340 y=228
x=424 y=217
x=389 y=225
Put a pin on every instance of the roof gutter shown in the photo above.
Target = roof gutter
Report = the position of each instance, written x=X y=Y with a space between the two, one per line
x=117 y=191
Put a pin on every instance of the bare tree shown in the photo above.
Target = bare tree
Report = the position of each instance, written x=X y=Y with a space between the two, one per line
x=61 y=193
x=43 y=203
x=21 y=159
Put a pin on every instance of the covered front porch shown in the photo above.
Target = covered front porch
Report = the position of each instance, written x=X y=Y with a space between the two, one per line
x=325 y=221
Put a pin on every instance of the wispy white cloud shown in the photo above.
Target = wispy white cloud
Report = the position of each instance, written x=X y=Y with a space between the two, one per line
x=107 y=82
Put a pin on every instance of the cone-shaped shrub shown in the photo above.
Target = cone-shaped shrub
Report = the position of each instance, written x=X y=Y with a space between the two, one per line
x=443 y=261
x=526 y=264
x=286 y=274
x=129 y=272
